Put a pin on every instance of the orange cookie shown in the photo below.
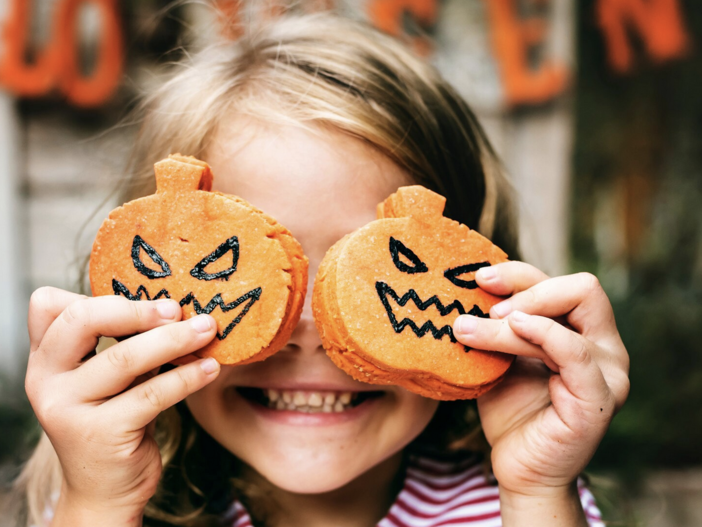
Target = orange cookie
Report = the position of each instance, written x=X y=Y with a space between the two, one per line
x=386 y=296
x=212 y=252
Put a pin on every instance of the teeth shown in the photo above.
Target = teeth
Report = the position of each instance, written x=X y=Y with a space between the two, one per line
x=309 y=402
x=316 y=400
x=299 y=399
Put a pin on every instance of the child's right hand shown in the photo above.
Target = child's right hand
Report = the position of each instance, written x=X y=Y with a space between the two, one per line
x=99 y=412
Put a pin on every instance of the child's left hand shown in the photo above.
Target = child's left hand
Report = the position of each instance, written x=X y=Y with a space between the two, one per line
x=546 y=419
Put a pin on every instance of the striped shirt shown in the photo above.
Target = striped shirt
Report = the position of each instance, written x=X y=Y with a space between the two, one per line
x=441 y=494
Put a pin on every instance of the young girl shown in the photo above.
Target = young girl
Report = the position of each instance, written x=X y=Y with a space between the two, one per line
x=315 y=120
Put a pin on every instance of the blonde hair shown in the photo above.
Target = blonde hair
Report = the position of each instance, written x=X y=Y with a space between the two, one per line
x=312 y=71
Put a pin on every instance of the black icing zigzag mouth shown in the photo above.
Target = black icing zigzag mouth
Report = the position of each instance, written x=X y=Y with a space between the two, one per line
x=250 y=298
x=385 y=291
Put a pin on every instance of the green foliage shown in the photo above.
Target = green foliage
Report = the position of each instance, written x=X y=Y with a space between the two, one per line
x=661 y=423
x=19 y=431
x=637 y=224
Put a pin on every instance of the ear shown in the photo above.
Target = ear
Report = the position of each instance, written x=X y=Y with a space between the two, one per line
x=414 y=201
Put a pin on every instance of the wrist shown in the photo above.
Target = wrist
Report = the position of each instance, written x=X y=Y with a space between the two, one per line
x=544 y=506
x=75 y=512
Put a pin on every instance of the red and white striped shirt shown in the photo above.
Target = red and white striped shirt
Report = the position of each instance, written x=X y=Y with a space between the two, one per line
x=441 y=494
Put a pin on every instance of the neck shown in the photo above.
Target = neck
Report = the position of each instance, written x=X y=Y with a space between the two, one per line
x=361 y=503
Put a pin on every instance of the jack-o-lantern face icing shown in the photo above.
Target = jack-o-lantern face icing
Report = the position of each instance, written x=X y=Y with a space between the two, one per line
x=213 y=253
x=386 y=296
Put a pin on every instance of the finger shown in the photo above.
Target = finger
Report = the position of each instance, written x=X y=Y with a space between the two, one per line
x=572 y=353
x=112 y=371
x=507 y=278
x=579 y=297
x=45 y=304
x=143 y=403
x=76 y=331
x=619 y=385
x=496 y=335
x=587 y=420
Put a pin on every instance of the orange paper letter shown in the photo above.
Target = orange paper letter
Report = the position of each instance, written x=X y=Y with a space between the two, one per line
x=387 y=15
x=57 y=65
x=29 y=80
x=511 y=40
x=94 y=89
x=659 y=22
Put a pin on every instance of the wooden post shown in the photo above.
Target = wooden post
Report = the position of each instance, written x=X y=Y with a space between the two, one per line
x=535 y=142
x=538 y=155
x=13 y=279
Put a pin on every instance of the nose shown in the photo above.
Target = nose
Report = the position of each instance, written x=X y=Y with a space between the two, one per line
x=305 y=338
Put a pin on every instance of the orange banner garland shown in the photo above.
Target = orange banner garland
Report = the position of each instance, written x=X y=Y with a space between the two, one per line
x=659 y=23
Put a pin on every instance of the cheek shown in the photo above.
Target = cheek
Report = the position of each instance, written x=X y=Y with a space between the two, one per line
x=410 y=416
x=211 y=412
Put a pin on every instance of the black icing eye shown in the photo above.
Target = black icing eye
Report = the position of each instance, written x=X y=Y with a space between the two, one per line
x=398 y=248
x=232 y=244
x=453 y=274
x=139 y=244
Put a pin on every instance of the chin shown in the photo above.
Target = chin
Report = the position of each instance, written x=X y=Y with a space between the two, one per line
x=311 y=477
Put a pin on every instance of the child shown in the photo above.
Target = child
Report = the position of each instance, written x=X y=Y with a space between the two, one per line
x=315 y=120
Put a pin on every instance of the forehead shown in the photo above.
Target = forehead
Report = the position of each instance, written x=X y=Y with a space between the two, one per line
x=319 y=183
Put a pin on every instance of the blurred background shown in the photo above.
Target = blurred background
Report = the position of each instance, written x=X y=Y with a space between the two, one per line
x=594 y=106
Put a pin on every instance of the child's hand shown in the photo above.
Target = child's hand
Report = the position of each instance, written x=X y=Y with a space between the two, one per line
x=99 y=412
x=546 y=419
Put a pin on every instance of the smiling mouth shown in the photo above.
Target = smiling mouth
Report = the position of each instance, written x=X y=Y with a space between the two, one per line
x=385 y=293
x=310 y=402
x=247 y=299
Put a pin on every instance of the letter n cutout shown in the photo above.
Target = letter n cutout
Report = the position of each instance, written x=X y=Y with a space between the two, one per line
x=659 y=22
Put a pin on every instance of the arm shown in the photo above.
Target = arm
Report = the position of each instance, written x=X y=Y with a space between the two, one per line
x=71 y=514
x=560 y=508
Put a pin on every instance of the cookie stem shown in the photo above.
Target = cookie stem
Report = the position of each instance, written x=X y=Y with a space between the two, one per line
x=181 y=173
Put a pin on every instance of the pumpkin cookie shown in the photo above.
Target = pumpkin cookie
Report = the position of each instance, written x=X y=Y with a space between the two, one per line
x=212 y=252
x=386 y=296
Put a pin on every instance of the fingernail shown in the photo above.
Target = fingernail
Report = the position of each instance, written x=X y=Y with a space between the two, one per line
x=166 y=308
x=209 y=365
x=466 y=324
x=487 y=273
x=519 y=316
x=503 y=308
x=201 y=323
